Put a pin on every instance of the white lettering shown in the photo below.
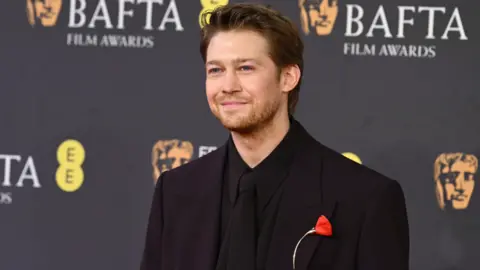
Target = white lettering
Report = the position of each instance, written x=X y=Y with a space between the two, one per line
x=74 y=39
x=394 y=49
x=122 y=13
x=358 y=49
x=29 y=172
x=172 y=9
x=8 y=167
x=127 y=41
x=77 y=11
x=203 y=150
x=455 y=17
x=113 y=40
x=78 y=18
x=149 y=12
x=355 y=22
x=431 y=19
x=402 y=21
x=351 y=20
x=380 y=15
x=412 y=51
x=101 y=13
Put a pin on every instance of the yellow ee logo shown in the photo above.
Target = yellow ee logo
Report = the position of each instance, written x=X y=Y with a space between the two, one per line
x=353 y=157
x=209 y=5
x=70 y=156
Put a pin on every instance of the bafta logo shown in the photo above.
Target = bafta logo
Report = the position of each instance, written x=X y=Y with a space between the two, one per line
x=454 y=175
x=169 y=154
x=318 y=16
x=44 y=12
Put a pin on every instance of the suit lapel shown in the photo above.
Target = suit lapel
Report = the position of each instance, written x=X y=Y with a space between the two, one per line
x=302 y=203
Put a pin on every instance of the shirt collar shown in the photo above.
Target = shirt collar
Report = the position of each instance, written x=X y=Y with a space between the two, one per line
x=269 y=174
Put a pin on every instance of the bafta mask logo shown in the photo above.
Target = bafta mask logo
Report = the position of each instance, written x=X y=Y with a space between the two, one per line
x=44 y=12
x=318 y=16
x=169 y=154
x=454 y=175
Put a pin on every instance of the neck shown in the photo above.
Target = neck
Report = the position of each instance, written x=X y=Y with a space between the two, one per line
x=256 y=146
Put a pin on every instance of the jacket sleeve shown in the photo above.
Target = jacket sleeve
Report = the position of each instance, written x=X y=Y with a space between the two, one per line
x=152 y=252
x=384 y=240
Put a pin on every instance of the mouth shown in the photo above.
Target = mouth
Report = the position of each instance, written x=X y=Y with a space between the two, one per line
x=323 y=23
x=232 y=104
x=47 y=15
x=460 y=198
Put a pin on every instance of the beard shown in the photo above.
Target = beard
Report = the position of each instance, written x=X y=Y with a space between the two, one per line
x=254 y=120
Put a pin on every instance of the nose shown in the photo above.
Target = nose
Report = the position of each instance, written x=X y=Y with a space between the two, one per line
x=459 y=185
x=231 y=82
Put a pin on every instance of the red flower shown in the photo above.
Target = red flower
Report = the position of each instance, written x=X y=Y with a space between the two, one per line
x=323 y=226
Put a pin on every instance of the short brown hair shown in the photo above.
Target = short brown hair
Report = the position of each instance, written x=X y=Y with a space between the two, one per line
x=286 y=46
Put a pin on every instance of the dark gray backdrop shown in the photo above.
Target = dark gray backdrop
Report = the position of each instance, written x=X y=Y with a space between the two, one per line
x=396 y=113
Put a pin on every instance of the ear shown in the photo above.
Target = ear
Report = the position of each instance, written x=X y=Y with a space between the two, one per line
x=290 y=77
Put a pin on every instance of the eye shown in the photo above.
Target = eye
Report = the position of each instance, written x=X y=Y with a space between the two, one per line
x=213 y=70
x=246 y=68
x=451 y=177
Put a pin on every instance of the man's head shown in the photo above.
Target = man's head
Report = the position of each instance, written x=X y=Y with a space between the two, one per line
x=254 y=61
x=454 y=176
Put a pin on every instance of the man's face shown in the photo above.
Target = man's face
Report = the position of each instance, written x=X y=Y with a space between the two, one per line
x=242 y=81
x=320 y=15
x=458 y=183
x=45 y=10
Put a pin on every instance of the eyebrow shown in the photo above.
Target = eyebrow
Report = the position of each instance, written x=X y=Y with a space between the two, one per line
x=236 y=61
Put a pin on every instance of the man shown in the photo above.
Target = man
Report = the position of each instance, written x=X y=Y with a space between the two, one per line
x=247 y=205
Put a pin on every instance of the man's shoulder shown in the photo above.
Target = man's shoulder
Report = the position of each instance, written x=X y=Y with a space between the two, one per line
x=341 y=174
x=352 y=179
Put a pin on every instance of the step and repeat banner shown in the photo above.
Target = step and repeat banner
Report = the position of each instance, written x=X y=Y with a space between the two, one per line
x=99 y=97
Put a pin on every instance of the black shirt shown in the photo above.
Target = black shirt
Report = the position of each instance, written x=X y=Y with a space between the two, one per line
x=268 y=176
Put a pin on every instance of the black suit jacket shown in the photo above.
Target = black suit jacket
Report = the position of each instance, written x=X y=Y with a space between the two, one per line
x=366 y=209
